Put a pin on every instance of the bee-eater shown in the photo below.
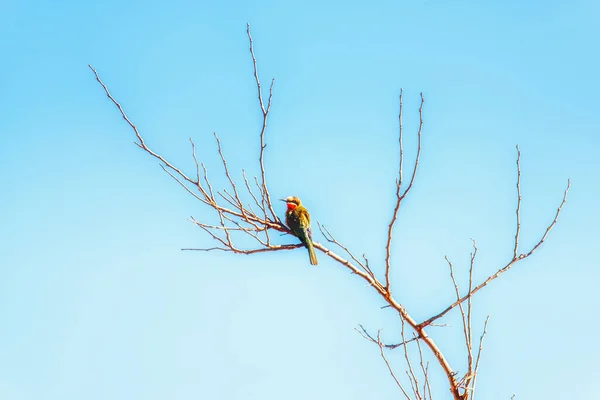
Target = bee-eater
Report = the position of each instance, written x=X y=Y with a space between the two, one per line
x=297 y=219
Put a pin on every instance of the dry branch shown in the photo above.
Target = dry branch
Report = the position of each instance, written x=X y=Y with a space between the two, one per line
x=506 y=267
x=237 y=218
x=476 y=370
x=399 y=195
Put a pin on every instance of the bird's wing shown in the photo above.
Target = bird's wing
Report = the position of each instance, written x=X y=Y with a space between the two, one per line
x=305 y=222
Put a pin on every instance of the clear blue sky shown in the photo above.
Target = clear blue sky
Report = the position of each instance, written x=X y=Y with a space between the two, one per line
x=98 y=302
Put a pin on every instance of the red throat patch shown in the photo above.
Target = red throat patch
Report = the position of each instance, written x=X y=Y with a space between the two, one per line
x=291 y=206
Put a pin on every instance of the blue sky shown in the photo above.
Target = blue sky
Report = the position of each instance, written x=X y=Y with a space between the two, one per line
x=98 y=302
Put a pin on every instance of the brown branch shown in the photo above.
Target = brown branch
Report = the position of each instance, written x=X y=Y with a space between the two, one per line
x=141 y=144
x=414 y=174
x=265 y=112
x=227 y=243
x=420 y=330
x=370 y=338
x=226 y=213
x=183 y=184
x=558 y=210
x=329 y=237
x=229 y=199
x=250 y=190
x=388 y=246
x=235 y=197
x=251 y=251
x=503 y=269
x=366 y=265
x=238 y=214
x=400 y=197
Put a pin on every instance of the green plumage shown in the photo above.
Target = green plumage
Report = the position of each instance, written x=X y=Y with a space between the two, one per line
x=297 y=219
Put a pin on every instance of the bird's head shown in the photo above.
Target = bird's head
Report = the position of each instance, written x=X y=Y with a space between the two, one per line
x=292 y=202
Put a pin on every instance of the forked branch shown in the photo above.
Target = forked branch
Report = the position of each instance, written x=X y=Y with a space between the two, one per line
x=502 y=270
x=399 y=194
x=234 y=209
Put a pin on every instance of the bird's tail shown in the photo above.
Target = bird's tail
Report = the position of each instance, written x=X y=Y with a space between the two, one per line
x=311 y=253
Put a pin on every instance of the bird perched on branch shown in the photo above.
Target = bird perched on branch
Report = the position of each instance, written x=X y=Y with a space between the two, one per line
x=297 y=219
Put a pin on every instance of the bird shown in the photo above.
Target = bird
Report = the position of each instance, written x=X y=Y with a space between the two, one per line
x=297 y=219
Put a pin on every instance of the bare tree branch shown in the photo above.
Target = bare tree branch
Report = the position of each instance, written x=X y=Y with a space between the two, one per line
x=414 y=381
x=503 y=269
x=388 y=246
x=462 y=314
x=263 y=145
x=558 y=210
x=329 y=237
x=236 y=199
x=141 y=143
x=239 y=220
x=399 y=196
x=476 y=371
x=414 y=174
x=370 y=338
x=251 y=251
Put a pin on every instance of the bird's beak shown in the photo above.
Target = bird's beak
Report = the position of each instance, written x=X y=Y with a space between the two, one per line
x=283 y=200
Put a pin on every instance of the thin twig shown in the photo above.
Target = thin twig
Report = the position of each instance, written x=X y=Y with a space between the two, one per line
x=329 y=237
x=251 y=251
x=183 y=185
x=387 y=363
x=469 y=331
x=414 y=174
x=558 y=210
x=411 y=373
x=462 y=314
x=476 y=370
x=427 y=380
x=424 y=369
x=370 y=338
x=400 y=197
x=141 y=143
x=235 y=195
x=516 y=249
x=250 y=190
x=210 y=189
x=265 y=113
x=388 y=246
